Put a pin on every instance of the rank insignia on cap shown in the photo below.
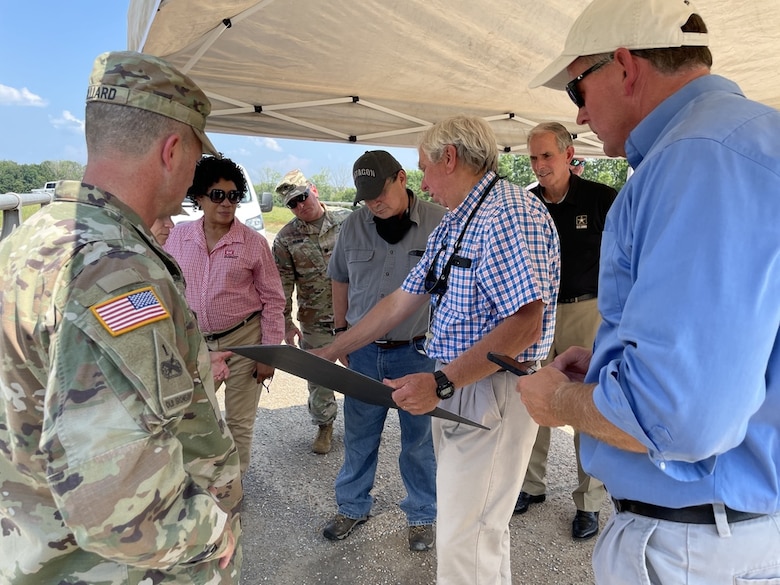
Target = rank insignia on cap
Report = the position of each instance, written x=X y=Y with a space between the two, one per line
x=130 y=311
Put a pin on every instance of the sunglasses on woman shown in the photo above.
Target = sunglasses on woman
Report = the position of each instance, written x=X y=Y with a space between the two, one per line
x=218 y=196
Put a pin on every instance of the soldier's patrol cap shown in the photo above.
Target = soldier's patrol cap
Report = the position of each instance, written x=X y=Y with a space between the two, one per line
x=371 y=171
x=149 y=83
x=292 y=185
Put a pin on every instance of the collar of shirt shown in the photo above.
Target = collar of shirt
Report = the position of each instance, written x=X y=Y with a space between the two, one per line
x=643 y=137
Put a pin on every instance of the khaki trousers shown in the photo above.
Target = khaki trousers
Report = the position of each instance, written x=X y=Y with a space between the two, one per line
x=576 y=324
x=478 y=477
x=242 y=392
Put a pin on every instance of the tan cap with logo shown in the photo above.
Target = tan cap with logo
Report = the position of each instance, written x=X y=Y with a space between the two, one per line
x=292 y=185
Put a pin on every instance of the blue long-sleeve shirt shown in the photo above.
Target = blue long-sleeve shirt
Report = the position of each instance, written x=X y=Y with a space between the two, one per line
x=687 y=359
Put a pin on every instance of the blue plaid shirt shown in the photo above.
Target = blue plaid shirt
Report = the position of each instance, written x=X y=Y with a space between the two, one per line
x=515 y=260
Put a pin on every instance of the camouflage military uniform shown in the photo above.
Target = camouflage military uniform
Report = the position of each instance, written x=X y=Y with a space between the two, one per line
x=302 y=251
x=110 y=432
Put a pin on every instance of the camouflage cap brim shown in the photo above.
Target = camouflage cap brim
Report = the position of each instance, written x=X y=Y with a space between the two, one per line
x=149 y=83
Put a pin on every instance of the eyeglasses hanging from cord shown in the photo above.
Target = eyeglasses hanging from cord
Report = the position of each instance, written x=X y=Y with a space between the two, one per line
x=438 y=286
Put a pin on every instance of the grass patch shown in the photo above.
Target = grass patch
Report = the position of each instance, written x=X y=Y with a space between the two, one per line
x=276 y=218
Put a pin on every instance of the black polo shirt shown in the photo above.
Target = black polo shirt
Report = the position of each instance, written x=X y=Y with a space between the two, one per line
x=579 y=219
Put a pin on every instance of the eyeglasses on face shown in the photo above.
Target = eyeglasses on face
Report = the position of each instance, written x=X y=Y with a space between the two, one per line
x=218 y=196
x=573 y=87
x=577 y=162
x=293 y=203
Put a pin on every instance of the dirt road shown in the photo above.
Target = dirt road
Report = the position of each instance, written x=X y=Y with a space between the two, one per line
x=289 y=497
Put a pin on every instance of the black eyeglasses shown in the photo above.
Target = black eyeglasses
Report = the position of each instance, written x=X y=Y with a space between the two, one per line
x=573 y=89
x=218 y=196
x=293 y=203
x=577 y=162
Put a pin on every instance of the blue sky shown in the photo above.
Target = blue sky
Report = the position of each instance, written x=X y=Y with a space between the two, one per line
x=47 y=49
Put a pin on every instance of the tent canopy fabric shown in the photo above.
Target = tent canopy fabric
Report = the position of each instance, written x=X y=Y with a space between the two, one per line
x=379 y=72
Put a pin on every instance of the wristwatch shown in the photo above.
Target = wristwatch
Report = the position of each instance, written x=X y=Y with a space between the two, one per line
x=336 y=330
x=444 y=388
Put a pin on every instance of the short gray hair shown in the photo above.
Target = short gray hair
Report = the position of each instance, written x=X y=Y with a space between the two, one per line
x=131 y=131
x=562 y=135
x=472 y=137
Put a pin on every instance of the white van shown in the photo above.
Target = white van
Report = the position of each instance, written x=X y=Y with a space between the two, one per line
x=250 y=209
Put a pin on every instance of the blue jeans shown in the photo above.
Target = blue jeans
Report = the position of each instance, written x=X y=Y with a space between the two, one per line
x=363 y=424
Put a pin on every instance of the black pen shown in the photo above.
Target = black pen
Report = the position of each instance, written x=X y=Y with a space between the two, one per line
x=509 y=364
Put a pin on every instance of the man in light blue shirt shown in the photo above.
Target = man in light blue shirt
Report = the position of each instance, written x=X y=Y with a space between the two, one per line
x=679 y=405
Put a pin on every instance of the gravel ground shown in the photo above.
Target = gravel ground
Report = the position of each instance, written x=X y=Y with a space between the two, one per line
x=289 y=498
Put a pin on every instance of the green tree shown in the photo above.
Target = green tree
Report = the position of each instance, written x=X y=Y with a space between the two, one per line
x=59 y=170
x=414 y=182
x=24 y=178
x=269 y=180
x=610 y=171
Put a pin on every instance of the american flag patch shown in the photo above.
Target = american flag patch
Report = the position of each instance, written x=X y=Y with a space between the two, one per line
x=130 y=311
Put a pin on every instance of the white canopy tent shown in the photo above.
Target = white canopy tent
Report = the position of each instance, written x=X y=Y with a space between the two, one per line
x=380 y=71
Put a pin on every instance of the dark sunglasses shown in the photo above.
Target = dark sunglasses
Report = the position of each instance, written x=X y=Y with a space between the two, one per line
x=573 y=89
x=577 y=162
x=218 y=196
x=293 y=203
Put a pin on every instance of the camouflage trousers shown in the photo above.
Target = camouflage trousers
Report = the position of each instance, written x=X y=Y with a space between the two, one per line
x=322 y=402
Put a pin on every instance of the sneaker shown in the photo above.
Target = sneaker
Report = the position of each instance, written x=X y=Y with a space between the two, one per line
x=421 y=537
x=321 y=444
x=340 y=527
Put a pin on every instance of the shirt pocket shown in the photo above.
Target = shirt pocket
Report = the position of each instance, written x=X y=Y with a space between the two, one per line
x=612 y=271
x=413 y=258
x=461 y=295
x=359 y=264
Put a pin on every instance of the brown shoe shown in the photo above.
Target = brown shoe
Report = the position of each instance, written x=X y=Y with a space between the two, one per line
x=321 y=444
x=421 y=537
x=340 y=526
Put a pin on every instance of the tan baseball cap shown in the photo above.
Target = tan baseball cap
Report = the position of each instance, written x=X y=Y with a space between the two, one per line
x=292 y=185
x=607 y=25
x=149 y=83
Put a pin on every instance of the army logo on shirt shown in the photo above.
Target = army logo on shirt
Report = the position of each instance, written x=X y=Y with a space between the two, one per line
x=171 y=368
x=581 y=222
x=176 y=388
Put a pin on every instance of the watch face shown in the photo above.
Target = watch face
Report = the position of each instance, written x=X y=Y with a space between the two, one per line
x=445 y=392
x=444 y=388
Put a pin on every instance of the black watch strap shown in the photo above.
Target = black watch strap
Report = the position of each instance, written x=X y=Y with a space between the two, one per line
x=444 y=387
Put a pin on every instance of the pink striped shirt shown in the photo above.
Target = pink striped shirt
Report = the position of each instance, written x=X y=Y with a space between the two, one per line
x=236 y=279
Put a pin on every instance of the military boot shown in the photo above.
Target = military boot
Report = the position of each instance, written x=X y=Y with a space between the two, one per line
x=321 y=444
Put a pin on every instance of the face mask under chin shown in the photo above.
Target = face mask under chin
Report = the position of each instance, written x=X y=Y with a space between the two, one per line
x=393 y=229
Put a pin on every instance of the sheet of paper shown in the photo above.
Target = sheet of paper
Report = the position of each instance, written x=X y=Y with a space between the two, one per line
x=320 y=371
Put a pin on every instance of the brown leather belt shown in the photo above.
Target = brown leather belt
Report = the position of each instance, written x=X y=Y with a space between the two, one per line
x=221 y=334
x=703 y=514
x=392 y=344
